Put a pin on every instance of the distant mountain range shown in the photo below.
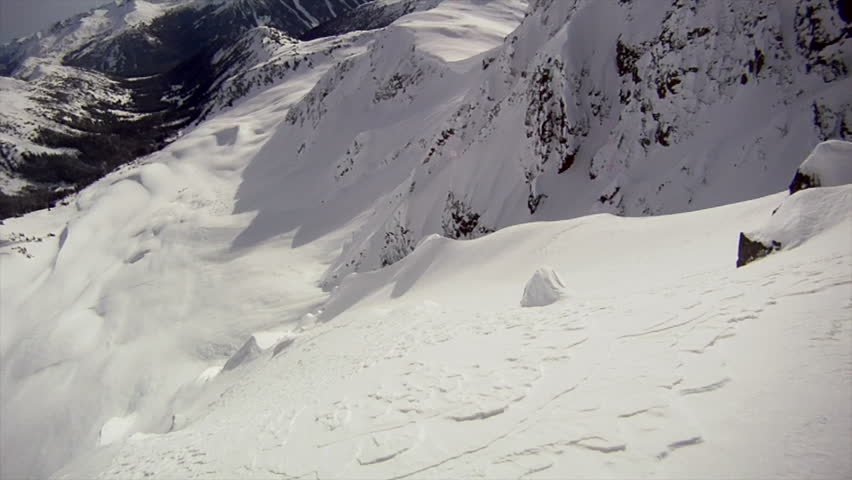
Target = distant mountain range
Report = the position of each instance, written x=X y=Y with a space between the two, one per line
x=115 y=83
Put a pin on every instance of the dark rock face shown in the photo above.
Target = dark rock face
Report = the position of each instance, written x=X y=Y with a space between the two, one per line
x=750 y=250
x=802 y=181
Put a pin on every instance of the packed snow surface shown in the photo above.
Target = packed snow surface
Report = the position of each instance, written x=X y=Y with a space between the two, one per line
x=121 y=310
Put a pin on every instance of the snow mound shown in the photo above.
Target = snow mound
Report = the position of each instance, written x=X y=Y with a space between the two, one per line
x=543 y=288
x=801 y=218
x=829 y=165
x=116 y=428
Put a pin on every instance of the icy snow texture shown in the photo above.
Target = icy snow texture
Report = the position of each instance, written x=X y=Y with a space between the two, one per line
x=543 y=288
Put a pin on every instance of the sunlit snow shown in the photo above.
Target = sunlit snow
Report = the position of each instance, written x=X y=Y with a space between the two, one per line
x=199 y=313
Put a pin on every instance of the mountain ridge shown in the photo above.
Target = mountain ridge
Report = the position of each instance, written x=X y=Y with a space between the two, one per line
x=162 y=56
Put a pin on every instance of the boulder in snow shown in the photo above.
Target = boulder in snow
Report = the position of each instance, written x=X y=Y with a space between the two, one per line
x=543 y=288
x=255 y=345
x=750 y=250
x=798 y=219
x=801 y=218
x=248 y=352
x=828 y=165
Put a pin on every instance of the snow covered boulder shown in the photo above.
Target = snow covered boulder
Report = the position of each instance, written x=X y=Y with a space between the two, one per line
x=801 y=218
x=797 y=219
x=828 y=165
x=543 y=288
x=750 y=250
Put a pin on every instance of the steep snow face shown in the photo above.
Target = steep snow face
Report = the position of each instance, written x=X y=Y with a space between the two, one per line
x=668 y=110
x=350 y=140
x=265 y=56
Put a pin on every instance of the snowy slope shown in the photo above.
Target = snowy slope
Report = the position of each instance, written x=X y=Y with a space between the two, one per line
x=173 y=310
x=431 y=369
x=189 y=213
x=95 y=300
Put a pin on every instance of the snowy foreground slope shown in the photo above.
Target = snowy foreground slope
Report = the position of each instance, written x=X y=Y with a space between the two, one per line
x=168 y=322
x=661 y=359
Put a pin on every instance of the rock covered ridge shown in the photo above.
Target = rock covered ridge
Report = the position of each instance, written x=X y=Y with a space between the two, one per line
x=594 y=106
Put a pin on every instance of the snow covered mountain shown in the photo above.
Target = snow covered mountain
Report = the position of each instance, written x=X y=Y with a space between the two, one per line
x=295 y=285
x=118 y=82
x=680 y=108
